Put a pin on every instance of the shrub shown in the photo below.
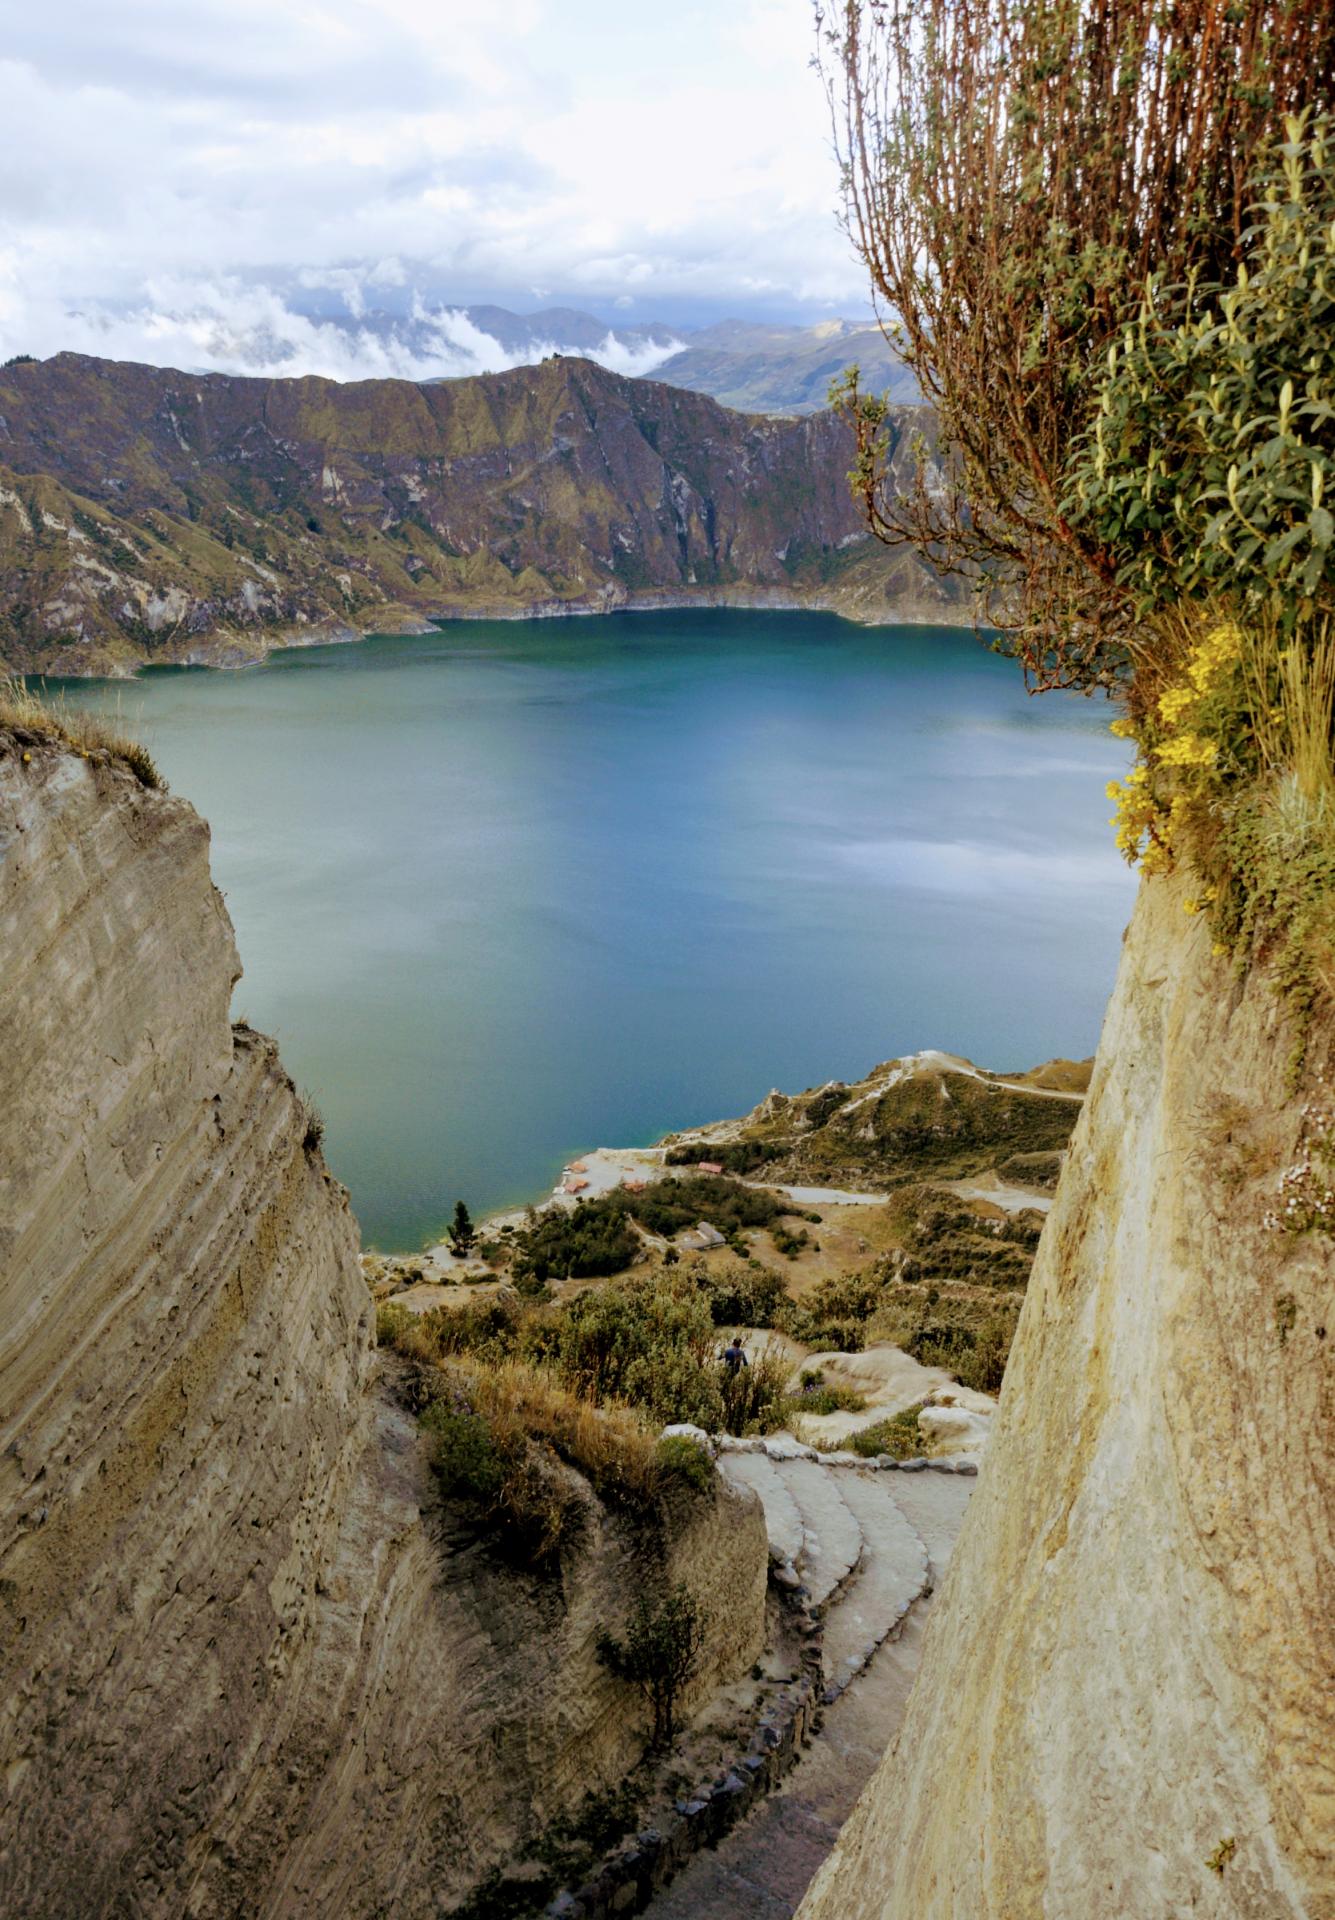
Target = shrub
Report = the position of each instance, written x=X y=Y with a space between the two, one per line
x=463 y=1454
x=488 y=1329
x=819 y=1396
x=898 y=1436
x=681 y=1458
x=660 y=1653
x=1210 y=467
x=976 y=1356
x=512 y=1479
x=740 y=1293
x=620 y=1342
x=753 y=1397
x=787 y=1243
x=503 y=1437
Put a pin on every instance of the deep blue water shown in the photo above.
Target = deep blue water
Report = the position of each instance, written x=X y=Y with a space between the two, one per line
x=515 y=889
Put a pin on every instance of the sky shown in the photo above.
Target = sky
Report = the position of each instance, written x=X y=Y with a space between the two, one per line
x=239 y=184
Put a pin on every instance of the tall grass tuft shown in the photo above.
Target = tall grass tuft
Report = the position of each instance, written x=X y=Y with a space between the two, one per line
x=25 y=712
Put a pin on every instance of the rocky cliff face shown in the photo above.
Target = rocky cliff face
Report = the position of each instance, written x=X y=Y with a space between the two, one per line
x=1125 y=1703
x=147 y=514
x=245 y=1665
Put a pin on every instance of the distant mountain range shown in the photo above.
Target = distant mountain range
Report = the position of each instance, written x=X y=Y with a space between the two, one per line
x=752 y=366
x=773 y=369
x=153 y=515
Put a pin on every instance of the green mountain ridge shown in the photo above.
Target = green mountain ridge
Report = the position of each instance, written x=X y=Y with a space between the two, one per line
x=151 y=515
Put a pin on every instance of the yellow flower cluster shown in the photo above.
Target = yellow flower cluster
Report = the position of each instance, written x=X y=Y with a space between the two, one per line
x=1139 y=822
x=1149 y=827
x=1177 y=702
x=1214 y=656
x=1188 y=750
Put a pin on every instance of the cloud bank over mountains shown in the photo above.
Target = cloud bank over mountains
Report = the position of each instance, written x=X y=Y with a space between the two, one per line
x=224 y=325
x=251 y=184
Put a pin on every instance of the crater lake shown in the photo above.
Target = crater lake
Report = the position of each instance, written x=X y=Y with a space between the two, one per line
x=514 y=889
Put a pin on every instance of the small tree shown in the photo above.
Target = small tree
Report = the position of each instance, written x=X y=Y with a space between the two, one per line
x=463 y=1234
x=660 y=1653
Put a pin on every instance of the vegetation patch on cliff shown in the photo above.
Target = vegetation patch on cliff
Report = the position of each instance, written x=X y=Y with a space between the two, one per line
x=32 y=719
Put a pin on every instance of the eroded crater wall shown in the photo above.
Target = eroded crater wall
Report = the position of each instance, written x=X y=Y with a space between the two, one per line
x=245 y=1666
x=1125 y=1705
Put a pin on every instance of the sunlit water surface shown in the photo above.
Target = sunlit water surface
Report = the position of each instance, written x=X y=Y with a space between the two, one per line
x=515 y=889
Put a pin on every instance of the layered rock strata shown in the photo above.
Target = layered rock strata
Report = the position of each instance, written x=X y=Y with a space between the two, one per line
x=1125 y=1704
x=247 y=1667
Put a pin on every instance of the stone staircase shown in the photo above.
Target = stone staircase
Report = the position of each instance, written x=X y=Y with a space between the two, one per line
x=843 y=1535
x=906 y=1523
x=855 y=1543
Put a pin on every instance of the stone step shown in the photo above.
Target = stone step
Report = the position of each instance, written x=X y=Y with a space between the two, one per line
x=783 y=1521
x=832 y=1538
x=934 y=1504
x=891 y=1575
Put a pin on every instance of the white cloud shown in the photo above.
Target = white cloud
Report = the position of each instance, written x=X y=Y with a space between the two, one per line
x=224 y=325
x=164 y=165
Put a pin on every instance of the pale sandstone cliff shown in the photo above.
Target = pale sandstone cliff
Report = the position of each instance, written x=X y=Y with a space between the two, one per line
x=246 y=1667
x=1126 y=1704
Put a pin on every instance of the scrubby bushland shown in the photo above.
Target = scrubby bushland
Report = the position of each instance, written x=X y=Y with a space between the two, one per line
x=589 y=1241
x=955 y=1326
x=648 y=1342
x=943 y=1125
x=505 y=1435
x=651 y=1341
x=942 y=1239
x=597 y=1237
x=734 y=1156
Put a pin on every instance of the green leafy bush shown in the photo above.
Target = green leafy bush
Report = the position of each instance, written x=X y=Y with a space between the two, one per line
x=740 y=1293
x=660 y=1653
x=684 y=1459
x=463 y=1454
x=1210 y=468
x=591 y=1239
x=737 y=1156
x=753 y=1397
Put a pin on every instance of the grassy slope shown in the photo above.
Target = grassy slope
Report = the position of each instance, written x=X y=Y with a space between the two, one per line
x=147 y=514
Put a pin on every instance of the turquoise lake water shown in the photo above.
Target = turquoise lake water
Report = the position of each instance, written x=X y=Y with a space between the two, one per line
x=516 y=889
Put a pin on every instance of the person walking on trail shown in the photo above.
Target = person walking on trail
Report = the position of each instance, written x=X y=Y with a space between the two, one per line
x=734 y=1358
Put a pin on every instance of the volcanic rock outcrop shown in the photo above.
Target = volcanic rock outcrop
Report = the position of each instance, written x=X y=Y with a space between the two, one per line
x=247 y=1667
x=1125 y=1703
x=147 y=514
